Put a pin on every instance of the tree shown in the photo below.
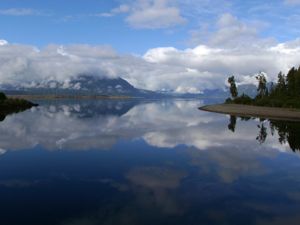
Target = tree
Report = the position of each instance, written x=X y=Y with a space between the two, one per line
x=262 y=85
x=297 y=77
x=2 y=96
x=284 y=93
x=281 y=85
x=291 y=82
x=233 y=88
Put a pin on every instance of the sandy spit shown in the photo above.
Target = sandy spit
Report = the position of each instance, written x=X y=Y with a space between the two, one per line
x=255 y=111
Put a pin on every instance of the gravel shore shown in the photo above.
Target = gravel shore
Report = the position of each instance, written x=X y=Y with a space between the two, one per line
x=255 y=111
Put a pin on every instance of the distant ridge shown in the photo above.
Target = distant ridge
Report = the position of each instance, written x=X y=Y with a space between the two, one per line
x=91 y=86
x=82 y=85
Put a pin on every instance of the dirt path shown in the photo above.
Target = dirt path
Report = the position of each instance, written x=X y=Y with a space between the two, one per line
x=255 y=111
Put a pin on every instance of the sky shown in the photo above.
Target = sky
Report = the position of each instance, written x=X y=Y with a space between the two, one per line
x=176 y=45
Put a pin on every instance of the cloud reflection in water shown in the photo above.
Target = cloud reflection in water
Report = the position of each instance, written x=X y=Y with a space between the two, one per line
x=100 y=124
x=164 y=162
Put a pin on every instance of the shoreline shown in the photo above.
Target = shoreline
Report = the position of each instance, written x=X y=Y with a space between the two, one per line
x=286 y=114
x=57 y=97
x=12 y=105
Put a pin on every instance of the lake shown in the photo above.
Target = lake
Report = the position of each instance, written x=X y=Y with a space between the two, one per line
x=146 y=162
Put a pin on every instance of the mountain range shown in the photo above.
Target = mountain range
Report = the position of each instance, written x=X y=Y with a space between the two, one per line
x=81 y=85
x=89 y=85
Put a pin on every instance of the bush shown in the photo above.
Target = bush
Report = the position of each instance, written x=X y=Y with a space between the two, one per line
x=262 y=102
x=243 y=99
x=228 y=101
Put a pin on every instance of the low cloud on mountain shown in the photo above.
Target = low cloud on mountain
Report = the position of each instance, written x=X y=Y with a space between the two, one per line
x=166 y=68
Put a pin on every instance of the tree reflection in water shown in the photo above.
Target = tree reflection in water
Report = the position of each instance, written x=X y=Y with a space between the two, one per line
x=262 y=135
x=288 y=131
x=232 y=123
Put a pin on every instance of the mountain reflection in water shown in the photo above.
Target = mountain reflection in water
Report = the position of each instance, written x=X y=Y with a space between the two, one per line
x=146 y=162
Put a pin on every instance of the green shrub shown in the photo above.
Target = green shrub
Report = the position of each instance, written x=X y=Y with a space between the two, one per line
x=243 y=99
x=228 y=101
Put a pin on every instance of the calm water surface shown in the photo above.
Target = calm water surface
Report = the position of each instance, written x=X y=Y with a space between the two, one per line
x=146 y=162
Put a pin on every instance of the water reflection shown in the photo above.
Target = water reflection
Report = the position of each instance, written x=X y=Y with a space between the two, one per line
x=232 y=123
x=287 y=131
x=136 y=162
x=86 y=125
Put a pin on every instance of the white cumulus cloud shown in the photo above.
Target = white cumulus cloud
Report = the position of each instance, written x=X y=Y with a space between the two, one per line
x=230 y=32
x=3 y=42
x=149 y=14
x=154 y=14
x=166 y=68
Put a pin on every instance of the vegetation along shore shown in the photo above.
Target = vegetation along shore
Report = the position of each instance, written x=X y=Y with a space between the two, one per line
x=284 y=94
x=13 y=105
x=279 y=100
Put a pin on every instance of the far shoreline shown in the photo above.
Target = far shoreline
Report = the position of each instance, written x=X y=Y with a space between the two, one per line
x=275 y=113
x=57 y=97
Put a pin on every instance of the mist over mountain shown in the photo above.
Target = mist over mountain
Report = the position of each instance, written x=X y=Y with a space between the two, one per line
x=84 y=84
x=247 y=89
x=93 y=85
